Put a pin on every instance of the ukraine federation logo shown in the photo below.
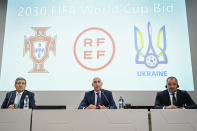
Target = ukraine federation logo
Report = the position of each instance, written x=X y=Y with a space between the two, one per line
x=150 y=56
x=39 y=47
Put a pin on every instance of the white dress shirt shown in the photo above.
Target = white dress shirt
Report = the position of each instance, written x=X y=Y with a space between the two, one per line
x=17 y=99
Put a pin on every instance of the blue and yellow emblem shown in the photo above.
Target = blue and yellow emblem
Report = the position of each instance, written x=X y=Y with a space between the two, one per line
x=151 y=58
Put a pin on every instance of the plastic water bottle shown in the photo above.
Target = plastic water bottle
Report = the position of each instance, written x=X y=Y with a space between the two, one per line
x=26 y=102
x=121 y=103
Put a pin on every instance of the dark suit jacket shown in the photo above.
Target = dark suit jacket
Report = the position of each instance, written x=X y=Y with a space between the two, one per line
x=106 y=99
x=10 y=97
x=183 y=100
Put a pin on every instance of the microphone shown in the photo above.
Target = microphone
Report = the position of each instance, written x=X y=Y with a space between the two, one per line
x=105 y=97
x=9 y=100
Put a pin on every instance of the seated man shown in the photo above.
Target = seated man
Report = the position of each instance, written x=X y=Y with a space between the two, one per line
x=97 y=98
x=173 y=98
x=15 y=99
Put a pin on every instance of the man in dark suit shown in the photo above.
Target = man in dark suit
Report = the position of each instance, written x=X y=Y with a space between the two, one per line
x=98 y=98
x=15 y=99
x=173 y=98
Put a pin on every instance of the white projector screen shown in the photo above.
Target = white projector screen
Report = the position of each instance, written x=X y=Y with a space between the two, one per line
x=62 y=44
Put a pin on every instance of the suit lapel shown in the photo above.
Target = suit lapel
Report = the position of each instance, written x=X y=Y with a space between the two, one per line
x=178 y=98
x=22 y=99
x=12 y=99
x=92 y=98
x=167 y=97
x=102 y=98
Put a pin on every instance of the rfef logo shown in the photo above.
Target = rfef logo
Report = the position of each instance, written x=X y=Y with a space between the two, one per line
x=94 y=49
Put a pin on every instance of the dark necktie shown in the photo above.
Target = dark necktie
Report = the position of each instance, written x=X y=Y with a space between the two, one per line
x=173 y=99
x=98 y=102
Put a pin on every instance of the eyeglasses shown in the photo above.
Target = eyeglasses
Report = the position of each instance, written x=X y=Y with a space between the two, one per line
x=23 y=83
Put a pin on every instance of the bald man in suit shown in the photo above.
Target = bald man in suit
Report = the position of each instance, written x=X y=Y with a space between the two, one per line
x=98 y=98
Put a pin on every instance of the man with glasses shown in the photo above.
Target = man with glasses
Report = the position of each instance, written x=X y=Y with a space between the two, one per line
x=98 y=98
x=173 y=98
x=15 y=99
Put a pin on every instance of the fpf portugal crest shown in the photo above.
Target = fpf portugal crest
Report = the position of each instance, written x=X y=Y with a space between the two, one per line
x=38 y=47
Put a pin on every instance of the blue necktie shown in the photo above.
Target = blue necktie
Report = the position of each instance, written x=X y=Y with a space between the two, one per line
x=174 y=99
x=98 y=102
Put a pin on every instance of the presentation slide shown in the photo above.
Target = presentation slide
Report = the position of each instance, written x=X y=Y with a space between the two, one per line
x=61 y=45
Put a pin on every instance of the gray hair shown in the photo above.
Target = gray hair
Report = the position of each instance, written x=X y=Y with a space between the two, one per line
x=20 y=78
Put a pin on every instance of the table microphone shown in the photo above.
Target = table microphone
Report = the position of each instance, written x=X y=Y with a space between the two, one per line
x=105 y=97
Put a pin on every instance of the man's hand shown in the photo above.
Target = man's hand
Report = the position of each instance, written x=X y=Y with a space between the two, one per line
x=11 y=106
x=171 y=107
x=103 y=107
x=91 y=107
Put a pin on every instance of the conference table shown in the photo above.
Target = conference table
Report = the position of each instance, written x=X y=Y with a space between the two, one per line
x=15 y=120
x=174 y=120
x=97 y=120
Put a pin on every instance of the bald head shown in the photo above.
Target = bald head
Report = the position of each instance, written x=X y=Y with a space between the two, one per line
x=96 y=78
x=97 y=84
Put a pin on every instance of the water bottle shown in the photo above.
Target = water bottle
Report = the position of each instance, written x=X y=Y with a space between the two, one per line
x=121 y=103
x=26 y=102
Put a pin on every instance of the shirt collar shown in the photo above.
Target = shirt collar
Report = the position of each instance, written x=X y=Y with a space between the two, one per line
x=172 y=92
x=19 y=93
x=97 y=92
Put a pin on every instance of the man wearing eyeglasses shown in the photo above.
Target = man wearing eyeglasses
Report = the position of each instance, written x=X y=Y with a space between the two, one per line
x=98 y=98
x=15 y=99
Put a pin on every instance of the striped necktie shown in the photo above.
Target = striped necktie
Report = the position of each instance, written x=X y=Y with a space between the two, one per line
x=174 y=99
x=98 y=102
